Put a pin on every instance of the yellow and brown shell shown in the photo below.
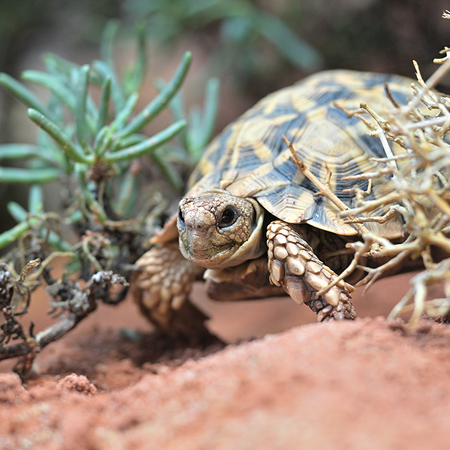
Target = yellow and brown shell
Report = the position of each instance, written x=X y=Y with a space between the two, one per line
x=251 y=159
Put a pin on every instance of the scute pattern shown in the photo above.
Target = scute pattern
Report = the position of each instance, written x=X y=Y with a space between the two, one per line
x=250 y=158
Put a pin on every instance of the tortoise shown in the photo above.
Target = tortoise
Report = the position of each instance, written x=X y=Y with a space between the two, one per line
x=253 y=224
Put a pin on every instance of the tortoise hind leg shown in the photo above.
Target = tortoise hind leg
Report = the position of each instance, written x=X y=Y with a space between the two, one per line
x=294 y=266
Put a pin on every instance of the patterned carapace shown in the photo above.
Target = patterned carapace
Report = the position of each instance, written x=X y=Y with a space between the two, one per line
x=250 y=159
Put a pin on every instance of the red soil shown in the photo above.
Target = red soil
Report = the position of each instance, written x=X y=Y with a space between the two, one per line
x=353 y=385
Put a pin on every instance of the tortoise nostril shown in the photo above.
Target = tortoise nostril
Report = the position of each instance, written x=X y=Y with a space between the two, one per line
x=191 y=225
x=196 y=225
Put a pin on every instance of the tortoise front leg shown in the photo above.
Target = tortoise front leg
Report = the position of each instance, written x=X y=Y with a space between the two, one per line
x=161 y=290
x=294 y=266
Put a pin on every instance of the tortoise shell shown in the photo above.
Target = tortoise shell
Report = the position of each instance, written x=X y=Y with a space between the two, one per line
x=250 y=158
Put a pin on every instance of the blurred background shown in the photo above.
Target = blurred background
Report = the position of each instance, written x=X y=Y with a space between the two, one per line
x=254 y=46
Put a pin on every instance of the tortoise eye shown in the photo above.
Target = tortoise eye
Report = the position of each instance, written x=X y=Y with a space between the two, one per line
x=229 y=216
x=180 y=218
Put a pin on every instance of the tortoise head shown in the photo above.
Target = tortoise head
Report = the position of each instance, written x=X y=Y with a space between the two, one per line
x=218 y=230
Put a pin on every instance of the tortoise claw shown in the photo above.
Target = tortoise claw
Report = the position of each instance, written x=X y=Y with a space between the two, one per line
x=326 y=312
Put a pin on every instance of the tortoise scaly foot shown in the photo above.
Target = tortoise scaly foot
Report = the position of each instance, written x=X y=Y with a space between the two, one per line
x=294 y=266
x=161 y=290
x=165 y=278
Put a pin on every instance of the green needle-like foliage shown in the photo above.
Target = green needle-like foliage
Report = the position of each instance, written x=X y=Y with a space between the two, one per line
x=243 y=26
x=98 y=143
x=91 y=146
x=91 y=149
x=23 y=94
x=72 y=150
x=200 y=129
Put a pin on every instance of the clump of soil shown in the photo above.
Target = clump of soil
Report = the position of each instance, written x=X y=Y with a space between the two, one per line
x=363 y=384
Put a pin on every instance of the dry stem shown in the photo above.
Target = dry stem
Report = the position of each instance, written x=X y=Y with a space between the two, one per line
x=324 y=188
x=421 y=193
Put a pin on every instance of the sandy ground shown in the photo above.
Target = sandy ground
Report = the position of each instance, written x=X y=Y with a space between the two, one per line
x=283 y=382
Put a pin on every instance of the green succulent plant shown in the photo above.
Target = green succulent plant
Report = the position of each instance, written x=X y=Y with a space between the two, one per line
x=92 y=150
x=96 y=144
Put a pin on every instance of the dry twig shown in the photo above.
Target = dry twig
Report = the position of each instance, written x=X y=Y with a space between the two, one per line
x=420 y=193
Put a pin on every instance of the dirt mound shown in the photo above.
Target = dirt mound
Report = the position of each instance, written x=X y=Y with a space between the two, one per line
x=337 y=385
x=353 y=385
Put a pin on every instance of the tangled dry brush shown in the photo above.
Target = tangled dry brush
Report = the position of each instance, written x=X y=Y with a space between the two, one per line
x=416 y=137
